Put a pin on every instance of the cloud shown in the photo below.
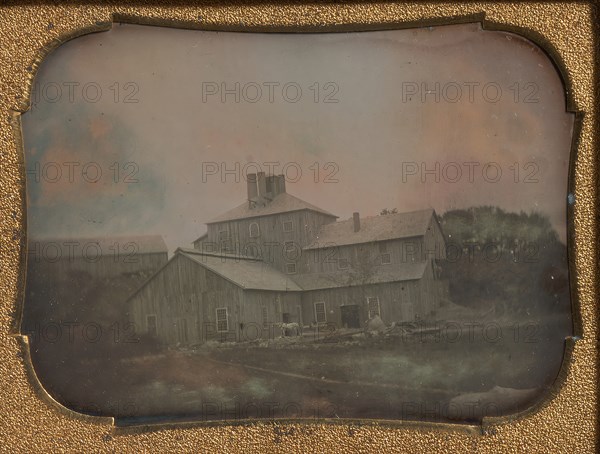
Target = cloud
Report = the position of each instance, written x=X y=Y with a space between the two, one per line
x=169 y=131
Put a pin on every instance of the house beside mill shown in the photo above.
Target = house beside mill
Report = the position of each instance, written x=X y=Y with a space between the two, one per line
x=276 y=258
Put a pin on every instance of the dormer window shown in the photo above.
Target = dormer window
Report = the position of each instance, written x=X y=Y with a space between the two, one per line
x=254 y=230
x=288 y=226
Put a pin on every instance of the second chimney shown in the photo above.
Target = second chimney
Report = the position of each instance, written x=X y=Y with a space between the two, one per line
x=281 y=179
x=262 y=184
x=356 y=219
x=252 y=187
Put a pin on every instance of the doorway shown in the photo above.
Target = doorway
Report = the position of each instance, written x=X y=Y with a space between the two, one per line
x=350 y=316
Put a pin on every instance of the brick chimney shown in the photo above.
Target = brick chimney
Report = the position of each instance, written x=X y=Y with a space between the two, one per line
x=356 y=219
x=275 y=185
x=281 y=179
x=252 y=187
x=262 y=184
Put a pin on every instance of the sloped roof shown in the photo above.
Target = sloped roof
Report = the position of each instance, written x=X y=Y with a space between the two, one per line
x=105 y=245
x=375 y=228
x=381 y=274
x=244 y=272
x=201 y=238
x=282 y=203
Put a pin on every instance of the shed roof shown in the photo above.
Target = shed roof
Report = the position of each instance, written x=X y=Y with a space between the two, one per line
x=282 y=203
x=244 y=272
x=374 y=228
x=381 y=274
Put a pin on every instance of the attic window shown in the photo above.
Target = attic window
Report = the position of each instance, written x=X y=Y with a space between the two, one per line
x=288 y=226
x=343 y=264
x=290 y=268
x=386 y=258
x=254 y=230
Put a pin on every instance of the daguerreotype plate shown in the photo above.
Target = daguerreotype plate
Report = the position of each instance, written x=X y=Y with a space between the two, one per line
x=361 y=224
x=357 y=225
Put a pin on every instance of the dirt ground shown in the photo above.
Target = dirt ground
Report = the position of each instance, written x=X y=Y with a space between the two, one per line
x=434 y=375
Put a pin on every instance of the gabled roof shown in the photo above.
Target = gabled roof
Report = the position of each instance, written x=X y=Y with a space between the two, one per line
x=105 y=245
x=375 y=228
x=246 y=273
x=380 y=274
x=282 y=203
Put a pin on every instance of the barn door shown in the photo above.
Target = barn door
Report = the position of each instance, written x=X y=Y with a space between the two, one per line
x=350 y=316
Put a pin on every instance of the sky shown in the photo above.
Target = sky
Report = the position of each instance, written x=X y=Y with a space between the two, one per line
x=151 y=130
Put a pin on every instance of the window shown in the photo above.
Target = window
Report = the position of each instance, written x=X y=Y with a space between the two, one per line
x=265 y=316
x=254 y=230
x=373 y=304
x=222 y=320
x=384 y=255
x=151 y=327
x=288 y=246
x=223 y=235
x=288 y=226
x=343 y=264
x=320 y=315
x=290 y=268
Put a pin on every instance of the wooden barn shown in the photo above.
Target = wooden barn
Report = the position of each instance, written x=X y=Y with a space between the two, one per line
x=98 y=258
x=200 y=296
x=86 y=278
x=277 y=259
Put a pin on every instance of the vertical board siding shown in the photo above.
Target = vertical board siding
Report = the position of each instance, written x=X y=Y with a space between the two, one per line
x=272 y=238
x=185 y=290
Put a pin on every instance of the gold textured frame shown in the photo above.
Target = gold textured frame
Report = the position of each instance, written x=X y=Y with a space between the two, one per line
x=564 y=422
